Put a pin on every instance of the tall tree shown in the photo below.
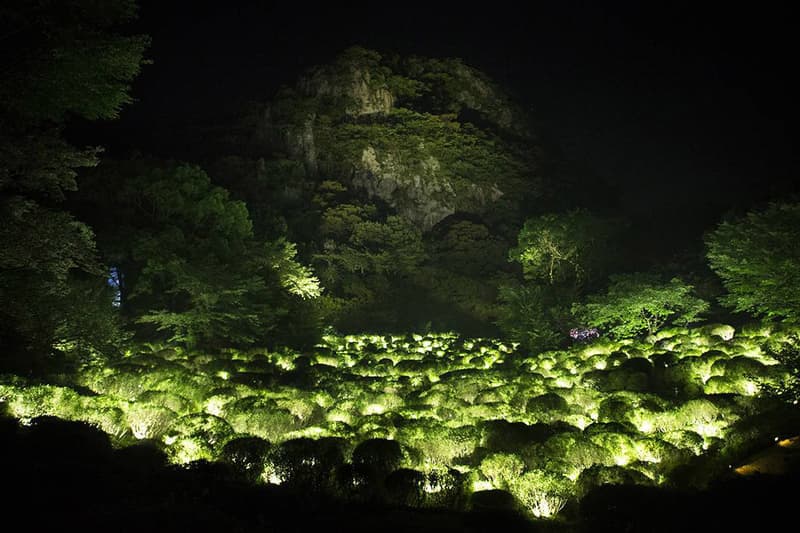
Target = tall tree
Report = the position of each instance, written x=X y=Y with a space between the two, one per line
x=58 y=60
x=364 y=261
x=641 y=303
x=560 y=254
x=563 y=248
x=188 y=261
x=758 y=259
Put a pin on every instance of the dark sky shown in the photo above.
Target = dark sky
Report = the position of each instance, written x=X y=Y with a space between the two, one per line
x=682 y=110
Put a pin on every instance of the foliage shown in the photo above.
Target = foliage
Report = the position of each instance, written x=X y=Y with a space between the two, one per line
x=502 y=469
x=190 y=263
x=569 y=248
x=465 y=267
x=414 y=139
x=535 y=315
x=758 y=259
x=543 y=494
x=641 y=303
x=363 y=259
x=436 y=403
x=58 y=61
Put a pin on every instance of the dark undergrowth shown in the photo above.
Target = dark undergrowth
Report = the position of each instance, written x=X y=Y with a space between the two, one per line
x=66 y=476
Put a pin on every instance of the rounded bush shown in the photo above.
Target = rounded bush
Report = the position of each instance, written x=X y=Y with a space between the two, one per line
x=248 y=456
x=378 y=456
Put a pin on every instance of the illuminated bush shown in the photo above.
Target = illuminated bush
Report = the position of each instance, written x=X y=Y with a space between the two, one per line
x=263 y=418
x=614 y=409
x=126 y=381
x=216 y=400
x=742 y=368
x=723 y=331
x=112 y=420
x=547 y=407
x=149 y=421
x=541 y=493
x=661 y=453
x=568 y=454
x=43 y=400
x=304 y=409
x=501 y=469
x=169 y=400
x=724 y=385
x=685 y=440
x=437 y=444
x=600 y=475
x=619 y=447
x=194 y=437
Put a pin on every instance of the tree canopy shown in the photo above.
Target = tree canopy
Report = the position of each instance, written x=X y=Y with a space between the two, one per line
x=558 y=248
x=758 y=259
x=641 y=303
x=189 y=262
x=59 y=60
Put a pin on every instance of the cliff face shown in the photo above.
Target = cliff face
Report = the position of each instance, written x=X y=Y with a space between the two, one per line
x=428 y=137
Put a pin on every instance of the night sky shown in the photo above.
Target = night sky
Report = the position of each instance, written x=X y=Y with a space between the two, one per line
x=682 y=113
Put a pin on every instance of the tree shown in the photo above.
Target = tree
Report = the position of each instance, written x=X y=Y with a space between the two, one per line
x=758 y=259
x=559 y=254
x=563 y=248
x=58 y=60
x=534 y=314
x=641 y=303
x=189 y=262
x=465 y=266
x=364 y=259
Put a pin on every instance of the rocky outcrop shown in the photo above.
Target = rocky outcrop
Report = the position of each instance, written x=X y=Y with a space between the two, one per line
x=355 y=88
x=404 y=131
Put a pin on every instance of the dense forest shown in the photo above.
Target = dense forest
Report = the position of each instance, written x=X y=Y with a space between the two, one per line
x=374 y=293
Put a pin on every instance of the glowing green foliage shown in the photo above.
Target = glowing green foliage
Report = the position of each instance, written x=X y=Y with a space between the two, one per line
x=149 y=421
x=197 y=436
x=260 y=417
x=562 y=248
x=202 y=288
x=541 y=493
x=502 y=469
x=462 y=412
x=640 y=303
x=759 y=262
